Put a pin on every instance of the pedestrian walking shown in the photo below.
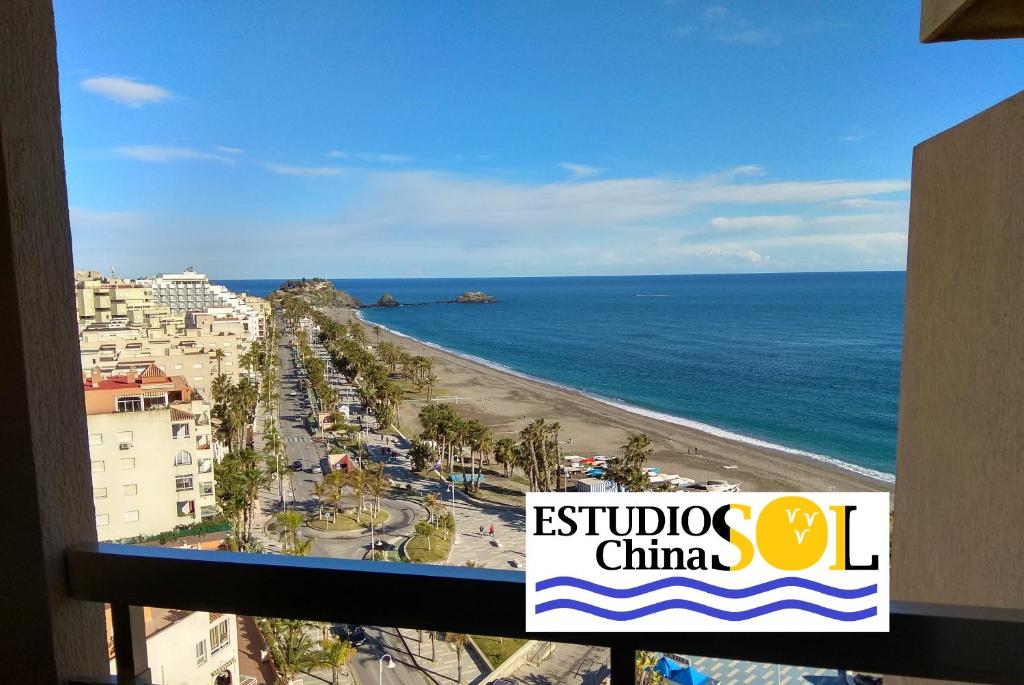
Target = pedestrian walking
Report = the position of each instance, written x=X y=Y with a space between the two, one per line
x=492 y=530
x=481 y=531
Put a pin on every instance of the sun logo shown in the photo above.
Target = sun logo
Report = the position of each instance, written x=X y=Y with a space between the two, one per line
x=792 y=533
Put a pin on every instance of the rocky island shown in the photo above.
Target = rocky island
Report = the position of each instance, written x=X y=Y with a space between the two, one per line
x=318 y=292
x=388 y=300
x=475 y=297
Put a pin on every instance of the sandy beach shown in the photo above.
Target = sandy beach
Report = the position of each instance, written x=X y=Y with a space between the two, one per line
x=507 y=403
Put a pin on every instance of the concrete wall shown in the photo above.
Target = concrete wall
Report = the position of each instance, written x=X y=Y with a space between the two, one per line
x=45 y=636
x=172 y=650
x=959 y=507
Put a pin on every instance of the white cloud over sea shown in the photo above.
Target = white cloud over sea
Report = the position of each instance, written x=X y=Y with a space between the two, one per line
x=412 y=223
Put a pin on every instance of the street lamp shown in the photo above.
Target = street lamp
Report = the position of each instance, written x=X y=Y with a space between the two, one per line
x=380 y=667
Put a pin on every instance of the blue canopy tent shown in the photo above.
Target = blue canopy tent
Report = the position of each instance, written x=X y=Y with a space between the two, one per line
x=674 y=672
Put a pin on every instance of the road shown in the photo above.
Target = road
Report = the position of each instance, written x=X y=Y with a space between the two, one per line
x=299 y=446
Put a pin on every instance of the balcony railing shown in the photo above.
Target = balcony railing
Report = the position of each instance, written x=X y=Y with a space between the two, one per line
x=958 y=643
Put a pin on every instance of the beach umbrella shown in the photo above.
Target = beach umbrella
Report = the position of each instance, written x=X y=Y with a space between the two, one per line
x=675 y=672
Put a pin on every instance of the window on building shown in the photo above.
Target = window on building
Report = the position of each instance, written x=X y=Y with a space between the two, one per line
x=98 y=467
x=132 y=515
x=182 y=458
x=177 y=367
x=99 y=493
x=129 y=404
x=125 y=436
x=208 y=511
x=205 y=465
x=200 y=652
x=102 y=519
x=130 y=489
x=180 y=430
x=197 y=378
x=183 y=483
x=197 y=366
x=206 y=487
x=219 y=636
x=95 y=438
x=187 y=508
x=155 y=402
x=127 y=464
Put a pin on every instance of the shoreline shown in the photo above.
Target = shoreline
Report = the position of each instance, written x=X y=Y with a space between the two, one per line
x=501 y=397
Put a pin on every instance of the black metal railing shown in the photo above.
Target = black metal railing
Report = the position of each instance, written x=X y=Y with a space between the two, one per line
x=948 y=642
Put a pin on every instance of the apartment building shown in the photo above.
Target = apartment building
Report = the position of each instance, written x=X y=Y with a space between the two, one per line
x=105 y=303
x=187 y=647
x=152 y=455
x=190 y=291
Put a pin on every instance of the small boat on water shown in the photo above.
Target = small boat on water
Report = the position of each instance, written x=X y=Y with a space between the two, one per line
x=722 y=486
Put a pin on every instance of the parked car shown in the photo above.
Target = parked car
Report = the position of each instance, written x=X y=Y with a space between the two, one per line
x=296 y=465
x=315 y=469
x=354 y=634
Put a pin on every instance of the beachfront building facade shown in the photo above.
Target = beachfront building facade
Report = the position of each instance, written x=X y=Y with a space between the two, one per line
x=187 y=647
x=104 y=303
x=151 y=453
x=211 y=346
x=190 y=291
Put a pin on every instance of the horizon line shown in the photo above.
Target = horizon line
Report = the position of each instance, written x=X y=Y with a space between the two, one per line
x=492 y=277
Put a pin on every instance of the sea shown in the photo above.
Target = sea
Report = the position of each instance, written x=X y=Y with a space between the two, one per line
x=807 y=363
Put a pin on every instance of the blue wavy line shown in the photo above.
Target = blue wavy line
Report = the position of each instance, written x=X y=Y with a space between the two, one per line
x=706 y=610
x=729 y=593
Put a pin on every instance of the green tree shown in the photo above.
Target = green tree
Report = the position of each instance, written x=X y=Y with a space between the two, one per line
x=336 y=653
x=291 y=522
x=291 y=646
x=421 y=454
x=627 y=470
x=425 y=529
x=644 y=673
x=506 y=453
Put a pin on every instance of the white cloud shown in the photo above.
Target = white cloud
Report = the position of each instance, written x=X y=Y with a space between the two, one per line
x=867 y=202
x=87 y=219
x=789 y=221
x=715 y=12
x=167 y=153
x=452 y=202
x=229 y=150
x=314 y=171
x=126 y=91
x=581 y=170
x=765 y=38
x=744 y=255
x=730 y=223
x=386 y=158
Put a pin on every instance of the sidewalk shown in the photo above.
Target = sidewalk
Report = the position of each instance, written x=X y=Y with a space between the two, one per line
x=444 y=668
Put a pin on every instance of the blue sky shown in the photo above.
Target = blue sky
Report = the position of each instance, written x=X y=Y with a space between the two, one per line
x=352 y=139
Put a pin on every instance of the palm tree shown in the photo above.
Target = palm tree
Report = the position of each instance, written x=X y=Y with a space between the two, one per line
x=421 y=454
x=376 y=485
x=320 y=490
x=506 y=453
x=336 y=653
x=291 y=521
x=430 y=502
x=644 y=673
x=628 y=470
x=291 y=646
x=458 y=641
x=218 y=355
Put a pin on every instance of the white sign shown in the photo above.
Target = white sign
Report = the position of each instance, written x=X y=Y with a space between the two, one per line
x=720 y=562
